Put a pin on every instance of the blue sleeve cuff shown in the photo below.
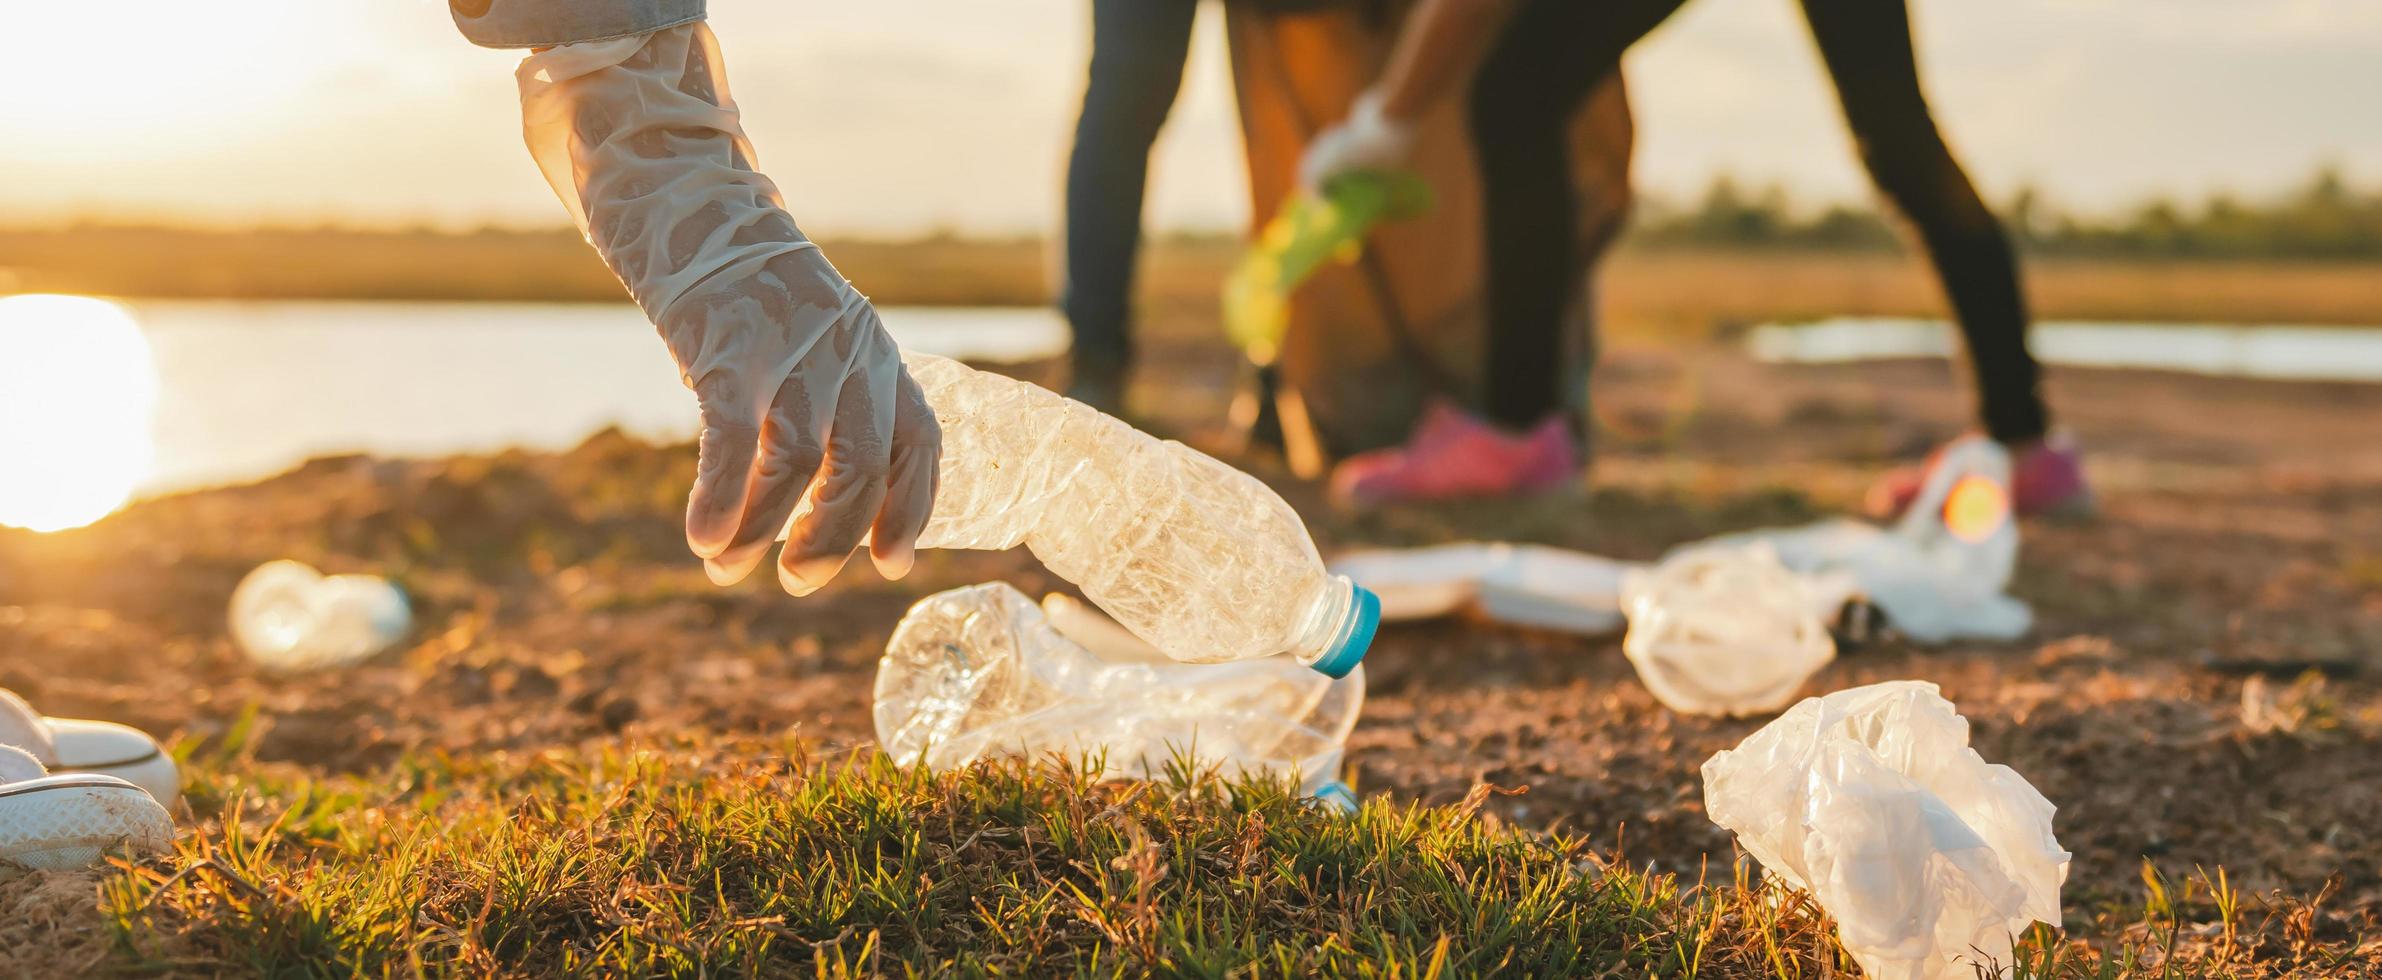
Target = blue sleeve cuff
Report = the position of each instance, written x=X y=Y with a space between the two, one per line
x=551 y=23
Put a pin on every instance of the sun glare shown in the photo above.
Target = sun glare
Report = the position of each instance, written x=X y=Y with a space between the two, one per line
x=78 y=398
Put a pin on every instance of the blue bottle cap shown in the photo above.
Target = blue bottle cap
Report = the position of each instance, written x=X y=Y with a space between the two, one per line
x=1338 y=796
x=1364 y=619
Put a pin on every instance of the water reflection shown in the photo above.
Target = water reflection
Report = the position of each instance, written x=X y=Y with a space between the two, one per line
x=78 y=399
x=2292 y=353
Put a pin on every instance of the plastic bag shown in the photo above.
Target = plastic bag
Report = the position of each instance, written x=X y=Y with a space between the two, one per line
x=1939 y=574
x=1930 y=859
x=1724 y=631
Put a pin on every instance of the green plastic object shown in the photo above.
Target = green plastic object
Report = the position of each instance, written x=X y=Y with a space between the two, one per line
x=1310 y=230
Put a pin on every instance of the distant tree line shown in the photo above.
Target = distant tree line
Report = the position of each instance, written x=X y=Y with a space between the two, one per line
x=2325 y=218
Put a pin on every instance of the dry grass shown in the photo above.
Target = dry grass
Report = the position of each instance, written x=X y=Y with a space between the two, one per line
x=1686 y=290
x=1680 y=292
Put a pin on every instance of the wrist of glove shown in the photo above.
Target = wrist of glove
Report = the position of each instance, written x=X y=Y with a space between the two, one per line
x=1368 y=139
x=803 y=396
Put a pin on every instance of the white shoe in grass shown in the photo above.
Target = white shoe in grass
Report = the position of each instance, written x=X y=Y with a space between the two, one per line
x=71 y=746
x=64 y=822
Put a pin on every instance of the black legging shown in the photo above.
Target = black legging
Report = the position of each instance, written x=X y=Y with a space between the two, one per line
x=1552 y=56
x=1138 y=48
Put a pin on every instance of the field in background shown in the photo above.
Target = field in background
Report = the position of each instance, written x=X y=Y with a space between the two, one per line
x=1685 y=291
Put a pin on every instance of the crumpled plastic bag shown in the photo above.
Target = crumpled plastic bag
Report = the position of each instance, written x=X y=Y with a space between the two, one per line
x=1724 y=632
x=1940 y=574
x=1930 y=859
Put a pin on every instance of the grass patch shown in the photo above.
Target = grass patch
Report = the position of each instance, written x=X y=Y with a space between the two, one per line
x=756 y=859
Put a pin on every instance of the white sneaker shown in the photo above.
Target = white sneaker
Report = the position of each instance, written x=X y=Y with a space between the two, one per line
x=71 y=746
x=60 y=823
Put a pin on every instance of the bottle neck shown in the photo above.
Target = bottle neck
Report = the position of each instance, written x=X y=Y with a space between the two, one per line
x=1330 y=617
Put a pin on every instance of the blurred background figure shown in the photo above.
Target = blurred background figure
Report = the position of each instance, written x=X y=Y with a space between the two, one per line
x=1138 y=50
x=1536 y=60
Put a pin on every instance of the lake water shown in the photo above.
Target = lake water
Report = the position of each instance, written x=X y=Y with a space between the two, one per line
x=2297 y=353
x=249 y=389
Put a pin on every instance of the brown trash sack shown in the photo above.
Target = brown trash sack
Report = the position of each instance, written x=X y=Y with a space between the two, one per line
x=1372 y=341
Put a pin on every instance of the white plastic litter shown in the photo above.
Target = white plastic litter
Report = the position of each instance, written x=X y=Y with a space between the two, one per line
x=1724 y=632
x=18 y=765
x=1930 y=859
x=1939 y=575
x=288 y=617
x=73 y=745
x=68 y=821
x=1199 y=559
x=1519 y=584
x=979 y=673
x=793 y=370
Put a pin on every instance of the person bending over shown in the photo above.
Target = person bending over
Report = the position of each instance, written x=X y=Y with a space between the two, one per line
x=1531 y=62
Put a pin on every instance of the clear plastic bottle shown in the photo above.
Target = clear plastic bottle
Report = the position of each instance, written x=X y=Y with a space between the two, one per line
x=1201 y=560
x=982 y=672
x=289 y=617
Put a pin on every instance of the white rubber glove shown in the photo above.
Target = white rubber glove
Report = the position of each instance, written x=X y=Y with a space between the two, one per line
x=800 y=386
x=1366 y=140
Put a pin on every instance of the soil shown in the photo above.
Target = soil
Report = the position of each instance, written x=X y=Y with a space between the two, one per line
x=2203 y=686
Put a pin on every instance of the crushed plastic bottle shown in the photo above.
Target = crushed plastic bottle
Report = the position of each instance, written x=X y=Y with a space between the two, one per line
x=288 y=617
x=1517 y=584
x=981 y=672
x=1203 y=561
x=1724 y=631
x=1938 y=575
x=1930 y=859
x=1309 y=230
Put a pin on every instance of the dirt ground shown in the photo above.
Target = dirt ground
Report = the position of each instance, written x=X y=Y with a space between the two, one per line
x=2203 y=688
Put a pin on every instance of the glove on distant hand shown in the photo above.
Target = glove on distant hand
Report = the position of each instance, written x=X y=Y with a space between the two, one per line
x=800 y=386
x=1366 y=140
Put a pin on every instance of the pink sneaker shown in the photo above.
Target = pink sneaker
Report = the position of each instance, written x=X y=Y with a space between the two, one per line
x=1455 y=454
x=2046 y=478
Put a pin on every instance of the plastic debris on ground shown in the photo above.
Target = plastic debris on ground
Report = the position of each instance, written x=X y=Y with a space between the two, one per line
x=100 y=748
x=72 y=820
x=1937 y=576
x=1940 y=574
x=1930 y=859
x=1519 y=584
x=982 y=672
x=288 y=617
x=1724 y=632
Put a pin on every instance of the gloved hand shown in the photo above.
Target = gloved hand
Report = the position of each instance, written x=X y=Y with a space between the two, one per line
x=804 y=398
x=1366 y=140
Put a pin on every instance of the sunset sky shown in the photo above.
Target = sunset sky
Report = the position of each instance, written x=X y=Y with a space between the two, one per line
x=892 y=116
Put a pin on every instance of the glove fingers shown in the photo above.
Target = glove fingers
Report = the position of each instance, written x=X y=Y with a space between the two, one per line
x=849 y=491
x=723 y=470
x=793 y=447
x=910 y=491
